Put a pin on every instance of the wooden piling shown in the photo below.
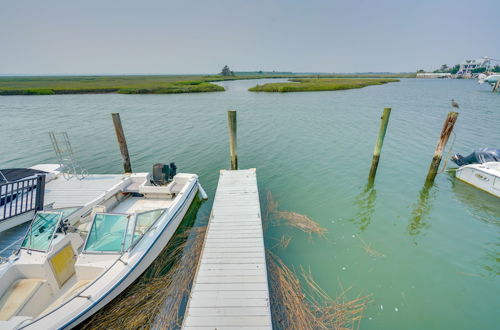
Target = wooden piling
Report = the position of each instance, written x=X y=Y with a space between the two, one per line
x=122 y=142
x=443 y=139
x=231 y=125
x=380 y=141
x=496 y=88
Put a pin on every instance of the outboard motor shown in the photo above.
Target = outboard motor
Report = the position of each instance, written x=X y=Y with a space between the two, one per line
x=478 y=157
x=173 y=171
x=163 y=173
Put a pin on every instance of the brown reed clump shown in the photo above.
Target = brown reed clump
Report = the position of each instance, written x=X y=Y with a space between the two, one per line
x=156 y=299
x=302 y=222
x=293 y=219
x=292 y=308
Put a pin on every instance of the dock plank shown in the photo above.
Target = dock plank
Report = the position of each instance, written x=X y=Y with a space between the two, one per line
x=230 y=288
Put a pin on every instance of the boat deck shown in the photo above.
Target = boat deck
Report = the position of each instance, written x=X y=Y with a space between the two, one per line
x=230 y=288
x=74 y=192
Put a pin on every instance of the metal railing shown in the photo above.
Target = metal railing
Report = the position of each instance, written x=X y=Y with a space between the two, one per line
x=21 y=196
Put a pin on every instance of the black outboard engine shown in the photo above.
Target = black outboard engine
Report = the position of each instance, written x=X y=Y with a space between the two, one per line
x=173 y=170
x=163 y=173
x=478 y=157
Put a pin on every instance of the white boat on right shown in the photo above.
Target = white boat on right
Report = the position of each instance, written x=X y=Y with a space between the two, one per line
x=480 y=169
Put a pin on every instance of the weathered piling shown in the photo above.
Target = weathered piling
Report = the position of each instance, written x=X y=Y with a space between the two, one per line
x=496 y=88
x=122 y=142
x=231 y=125
x=443 y=139
x=380 y=141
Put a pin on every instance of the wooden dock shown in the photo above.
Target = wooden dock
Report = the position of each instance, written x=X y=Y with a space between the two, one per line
x=230 y=288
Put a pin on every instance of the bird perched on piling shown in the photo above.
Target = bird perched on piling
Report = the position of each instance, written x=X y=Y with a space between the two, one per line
x=454 y=104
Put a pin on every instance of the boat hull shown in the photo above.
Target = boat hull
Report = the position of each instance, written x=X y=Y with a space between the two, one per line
x=485 y=177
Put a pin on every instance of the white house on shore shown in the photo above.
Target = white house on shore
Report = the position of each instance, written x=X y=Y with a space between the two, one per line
x=467 y=66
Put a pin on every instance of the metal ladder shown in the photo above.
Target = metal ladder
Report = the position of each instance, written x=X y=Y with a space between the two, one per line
x=62 y=147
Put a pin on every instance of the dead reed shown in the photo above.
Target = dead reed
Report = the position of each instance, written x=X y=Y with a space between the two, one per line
x=283 y=242
x=293 y=219
x=295 y=307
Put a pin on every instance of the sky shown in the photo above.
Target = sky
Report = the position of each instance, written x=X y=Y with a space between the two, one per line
x=190 y=36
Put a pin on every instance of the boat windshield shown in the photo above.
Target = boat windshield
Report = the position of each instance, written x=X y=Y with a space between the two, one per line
x=107 y=233
x=144 y=221
x=118 y=232
x=42 y=230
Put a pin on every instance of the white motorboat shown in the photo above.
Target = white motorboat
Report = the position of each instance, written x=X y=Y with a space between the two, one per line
x=485 y=176
x=73 y=262
x=490 y=79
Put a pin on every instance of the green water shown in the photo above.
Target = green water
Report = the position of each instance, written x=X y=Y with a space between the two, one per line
x=441 y=250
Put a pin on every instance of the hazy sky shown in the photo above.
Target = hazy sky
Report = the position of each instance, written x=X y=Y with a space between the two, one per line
x=188 y=36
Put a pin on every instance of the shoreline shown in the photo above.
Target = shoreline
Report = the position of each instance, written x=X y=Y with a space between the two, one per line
x=148 y=84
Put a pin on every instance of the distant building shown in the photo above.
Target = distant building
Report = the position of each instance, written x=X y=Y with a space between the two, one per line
x=433 y=75
x=467 y=66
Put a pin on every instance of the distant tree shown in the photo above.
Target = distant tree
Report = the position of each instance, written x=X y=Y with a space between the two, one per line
x=478 y=70
x=420 y=71
x=496 y=68
x=260 y=72
x=444 y=68
x=226 y=71
x=455 y=69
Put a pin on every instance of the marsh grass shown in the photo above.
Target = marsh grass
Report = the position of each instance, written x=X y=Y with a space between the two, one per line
x=320 y=84
x=106 y=84
x=134 y=84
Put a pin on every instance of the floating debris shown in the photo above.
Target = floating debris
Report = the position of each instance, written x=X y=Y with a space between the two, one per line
x=369 y=250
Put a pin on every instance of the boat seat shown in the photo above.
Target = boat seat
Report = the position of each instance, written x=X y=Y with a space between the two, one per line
x=157 y=191
x=84 y=227
x=17 y=296
x=77 y=287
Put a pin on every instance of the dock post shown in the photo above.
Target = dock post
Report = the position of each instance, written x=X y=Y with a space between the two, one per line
x=120 y=136
x=449 y=123
x=380 y=141
x=231 y=125
x=496 y=88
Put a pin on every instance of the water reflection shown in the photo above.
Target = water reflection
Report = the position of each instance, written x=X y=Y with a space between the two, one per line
x=480 y=205
x=421 y=210
x=365 y=202
x=485 y=208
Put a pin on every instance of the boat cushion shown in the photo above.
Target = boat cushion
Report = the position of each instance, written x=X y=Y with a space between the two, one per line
x=17 y=296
